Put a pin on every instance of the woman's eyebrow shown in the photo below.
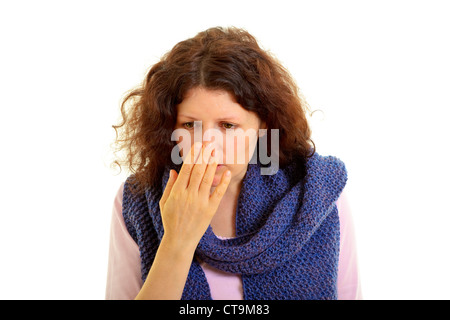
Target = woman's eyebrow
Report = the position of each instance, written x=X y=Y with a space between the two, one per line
x=220 y=119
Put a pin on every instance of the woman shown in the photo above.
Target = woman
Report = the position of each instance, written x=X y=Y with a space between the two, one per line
x=222 y=222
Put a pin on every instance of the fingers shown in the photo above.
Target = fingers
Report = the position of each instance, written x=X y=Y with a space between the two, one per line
x=198 y=171
x=199 y=176
x=208 y=177
x=169 y=185
x=188 y=164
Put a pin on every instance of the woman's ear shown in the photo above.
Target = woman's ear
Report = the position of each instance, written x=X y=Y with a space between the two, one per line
x=262 y=129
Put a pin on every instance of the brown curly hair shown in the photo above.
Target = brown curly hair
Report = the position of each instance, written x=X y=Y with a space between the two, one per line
x=218 y=58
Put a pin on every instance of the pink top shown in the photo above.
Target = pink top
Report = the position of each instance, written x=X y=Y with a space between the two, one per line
x=124 y=267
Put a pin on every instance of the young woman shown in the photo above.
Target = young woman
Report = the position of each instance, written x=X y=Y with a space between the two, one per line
x=204 y=214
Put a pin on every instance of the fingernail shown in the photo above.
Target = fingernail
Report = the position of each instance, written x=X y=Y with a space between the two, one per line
x=228 y=173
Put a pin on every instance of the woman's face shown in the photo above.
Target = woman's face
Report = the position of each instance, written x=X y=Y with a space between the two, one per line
x=216 y=111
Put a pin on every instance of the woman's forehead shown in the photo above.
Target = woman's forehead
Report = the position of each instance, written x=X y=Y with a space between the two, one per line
x=219 y=105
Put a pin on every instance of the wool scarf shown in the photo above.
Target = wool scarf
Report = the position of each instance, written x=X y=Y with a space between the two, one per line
x=287 y=232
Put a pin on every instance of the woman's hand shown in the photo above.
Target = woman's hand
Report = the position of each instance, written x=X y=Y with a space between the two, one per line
x=187 y=205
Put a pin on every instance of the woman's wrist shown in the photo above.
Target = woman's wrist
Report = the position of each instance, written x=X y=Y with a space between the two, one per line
x=177 y=248
x=170 y=268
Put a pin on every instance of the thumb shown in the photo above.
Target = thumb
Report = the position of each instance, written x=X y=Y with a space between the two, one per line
x=172 y=178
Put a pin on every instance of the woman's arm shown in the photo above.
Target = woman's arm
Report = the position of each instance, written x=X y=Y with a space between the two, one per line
x=187 y=207
x=167 y=275
x=169 y=271
x=124 y=266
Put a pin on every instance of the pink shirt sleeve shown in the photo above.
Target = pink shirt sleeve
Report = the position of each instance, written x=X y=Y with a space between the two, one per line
x=124 y=266
x=349 y=285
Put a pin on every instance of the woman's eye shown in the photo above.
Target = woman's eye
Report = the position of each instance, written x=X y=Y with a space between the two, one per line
x=226 y=125
x=188 y=125
x=229 y=125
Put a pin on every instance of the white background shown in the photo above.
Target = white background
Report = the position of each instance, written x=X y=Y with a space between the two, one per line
x=379 y=71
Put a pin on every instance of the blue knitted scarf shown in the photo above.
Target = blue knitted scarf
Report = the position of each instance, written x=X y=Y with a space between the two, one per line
x=287 y=233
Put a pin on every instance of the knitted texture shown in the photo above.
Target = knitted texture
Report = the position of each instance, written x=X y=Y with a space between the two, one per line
x=287 y=233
